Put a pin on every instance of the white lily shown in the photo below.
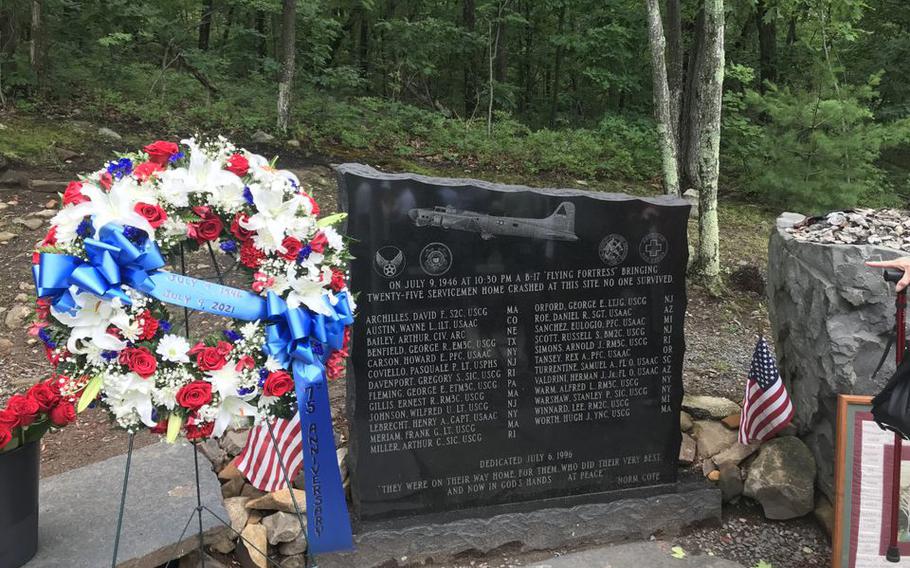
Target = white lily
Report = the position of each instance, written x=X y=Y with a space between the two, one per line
x=273 y=217
x=307 y=288
x=226 y=381
x=129 y=393
x=93 y=317
x=203 y=174
x=115 y=206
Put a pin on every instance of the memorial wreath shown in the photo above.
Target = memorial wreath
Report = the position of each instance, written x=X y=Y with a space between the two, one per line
x=104 y=293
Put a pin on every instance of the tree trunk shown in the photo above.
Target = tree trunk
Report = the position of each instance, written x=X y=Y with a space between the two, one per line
x=767 y=44
x=557 y=65
x=363 y=45
x=667 y=138
x=34 y=52
x=229 y=21
x=674 y=65
x=205 y=25
x=469 y=72
x=261 y=49
x=708 y=99
x=288 y=48
x=502 y=53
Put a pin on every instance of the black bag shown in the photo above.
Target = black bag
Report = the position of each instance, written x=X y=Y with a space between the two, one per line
x=891 y=407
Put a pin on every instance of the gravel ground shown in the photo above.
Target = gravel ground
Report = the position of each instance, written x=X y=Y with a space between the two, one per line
x=745 y=536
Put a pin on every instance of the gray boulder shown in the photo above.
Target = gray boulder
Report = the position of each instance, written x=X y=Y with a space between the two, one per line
x=712 y=438
x=716 y=407
x=831 y=317
x=782 y=479
x=281 y=527
x=108 y=133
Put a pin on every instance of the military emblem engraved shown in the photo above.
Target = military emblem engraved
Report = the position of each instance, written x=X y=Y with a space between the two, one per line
x=436 y=259
x=389 y=261
x=613 y=249
x=653 y=248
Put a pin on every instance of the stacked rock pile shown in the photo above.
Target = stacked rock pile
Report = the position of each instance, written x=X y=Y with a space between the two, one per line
x=267 y=521
x=779 y=474
x=882 y=227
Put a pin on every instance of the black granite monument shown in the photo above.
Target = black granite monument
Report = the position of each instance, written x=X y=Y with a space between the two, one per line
x=512 y=345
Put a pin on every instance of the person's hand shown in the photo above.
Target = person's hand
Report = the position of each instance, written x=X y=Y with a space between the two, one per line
x=902 y=264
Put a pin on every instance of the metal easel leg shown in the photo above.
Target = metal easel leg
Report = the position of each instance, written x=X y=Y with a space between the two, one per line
x=126 y=478
x=199 y=504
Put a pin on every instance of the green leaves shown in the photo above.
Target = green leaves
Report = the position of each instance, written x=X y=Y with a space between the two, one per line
x=331 y=219
x=677 y=552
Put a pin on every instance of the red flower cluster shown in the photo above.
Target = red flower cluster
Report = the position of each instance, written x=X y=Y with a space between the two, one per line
x=238 y=164
x=209 y=226
x=41 y=404
x=149 y=325
x=278 y=383
x=72 y=195
x=211 y=358
x=160 y=152
x=154 y=214
x=250 y=256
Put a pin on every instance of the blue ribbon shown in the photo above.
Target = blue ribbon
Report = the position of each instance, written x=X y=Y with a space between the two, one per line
x=114 y=261
x=289 y=339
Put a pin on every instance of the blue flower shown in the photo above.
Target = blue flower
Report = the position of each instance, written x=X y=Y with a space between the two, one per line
x=228 y=246
x=133 y=233
x=120 y=168
x=245 y=391
x=304 y=253
x=231 y=335
x=44 y=336
x=154 y=414
x=164 y=325
x=175 y=157
x=247 y=194
x=85 y=228
x=109 y=355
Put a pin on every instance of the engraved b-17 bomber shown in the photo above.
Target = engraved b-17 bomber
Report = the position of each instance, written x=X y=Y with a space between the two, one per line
x=559 y=225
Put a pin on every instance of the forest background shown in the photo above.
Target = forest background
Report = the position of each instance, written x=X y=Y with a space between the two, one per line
x=815 y=103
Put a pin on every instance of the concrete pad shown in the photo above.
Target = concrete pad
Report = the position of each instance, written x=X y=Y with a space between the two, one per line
x=78 y=510
x=634 y=555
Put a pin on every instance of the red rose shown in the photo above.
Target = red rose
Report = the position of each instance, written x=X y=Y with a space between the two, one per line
x=318 y=243
x=197 y=430
x=224 y=347
x=139 y=360
x=72 y=195
x=8 y=419
x=338 y=282
x=62 y=414
x=245 y=362
x=44 y=396
x=106 y=180
x=149 y=325
x=278 y=383
x=25 y=409
x=208 y=228
x=5 y=437
x=209 y=358
x=250 y=256
x=154 y=214
x=238 y=164
x=195 y=395
x=145 y=170
x=242 y=234
x=293 y=247
x=160 y=151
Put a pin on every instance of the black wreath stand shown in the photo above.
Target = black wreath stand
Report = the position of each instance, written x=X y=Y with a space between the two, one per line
x=200 y=508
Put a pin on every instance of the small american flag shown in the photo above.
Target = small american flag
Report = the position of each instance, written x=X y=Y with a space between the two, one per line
x=767 y=408
x=258 y=461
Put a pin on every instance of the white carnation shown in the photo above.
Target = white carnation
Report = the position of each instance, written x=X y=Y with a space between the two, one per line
x=173 y=348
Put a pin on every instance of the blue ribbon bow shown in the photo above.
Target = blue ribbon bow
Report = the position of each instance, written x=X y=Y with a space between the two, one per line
x=113 y=260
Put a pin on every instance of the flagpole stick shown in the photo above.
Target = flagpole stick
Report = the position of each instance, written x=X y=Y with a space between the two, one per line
x=284 y=473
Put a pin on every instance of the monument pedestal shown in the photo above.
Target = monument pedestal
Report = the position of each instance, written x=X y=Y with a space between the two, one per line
x=541 y=525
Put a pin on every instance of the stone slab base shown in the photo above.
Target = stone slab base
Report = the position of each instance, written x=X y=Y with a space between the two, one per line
x=554 y=527
x=78 y=510
x=634 y=555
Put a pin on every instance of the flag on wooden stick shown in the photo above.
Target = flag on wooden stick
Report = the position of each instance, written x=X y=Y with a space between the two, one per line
x=767 y=407
x=259 y=460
